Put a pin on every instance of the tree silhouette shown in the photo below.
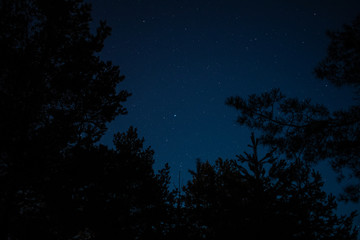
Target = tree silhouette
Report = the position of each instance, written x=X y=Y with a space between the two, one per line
x=258 y=198
x=56 y=97
x=111 y=193
x=300 y=129
x=341 y=65
x=57 y=182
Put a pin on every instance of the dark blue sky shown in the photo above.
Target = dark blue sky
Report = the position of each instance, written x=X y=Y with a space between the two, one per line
x=183 y=58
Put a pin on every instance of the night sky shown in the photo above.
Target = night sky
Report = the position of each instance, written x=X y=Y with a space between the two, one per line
x=183 y=58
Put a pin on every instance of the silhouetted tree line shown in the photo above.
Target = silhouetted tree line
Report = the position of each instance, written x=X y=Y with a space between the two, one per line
x=58 y=182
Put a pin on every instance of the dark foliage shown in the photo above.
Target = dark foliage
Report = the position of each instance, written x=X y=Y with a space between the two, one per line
x=341 y=65
x=309 y=131
x=57 y=182
x=56 y=97
x=253 y=198
x=111 y=193
x=96 y=193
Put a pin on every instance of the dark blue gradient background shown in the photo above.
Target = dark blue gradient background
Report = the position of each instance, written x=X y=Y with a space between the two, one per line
x=182 y=59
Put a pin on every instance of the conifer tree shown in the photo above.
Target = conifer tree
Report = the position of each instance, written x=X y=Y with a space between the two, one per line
x=300 y=128
x=258 y=198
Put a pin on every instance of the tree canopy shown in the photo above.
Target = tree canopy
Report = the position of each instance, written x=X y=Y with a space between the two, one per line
x=311 y=132
x=258 y=198
x=58 y=182
x=56 y=97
